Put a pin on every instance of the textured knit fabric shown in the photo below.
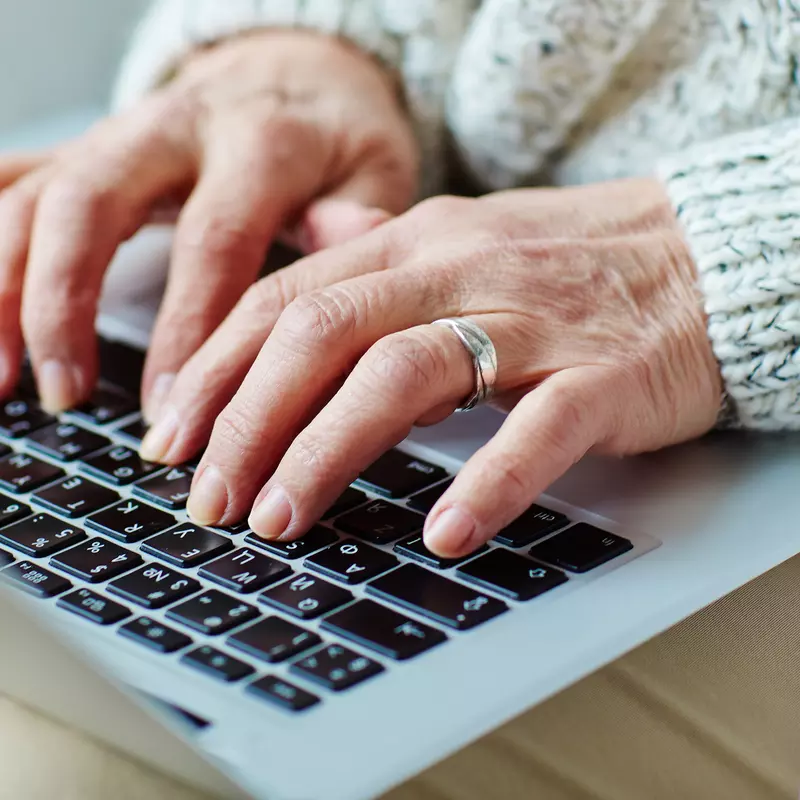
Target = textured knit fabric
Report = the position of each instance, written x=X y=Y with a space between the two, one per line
x=700 y=92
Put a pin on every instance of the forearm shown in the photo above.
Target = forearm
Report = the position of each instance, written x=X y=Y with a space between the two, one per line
x=739 y=202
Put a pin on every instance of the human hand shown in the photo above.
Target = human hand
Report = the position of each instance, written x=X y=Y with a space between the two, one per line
x=588 y=295
x=278 y=132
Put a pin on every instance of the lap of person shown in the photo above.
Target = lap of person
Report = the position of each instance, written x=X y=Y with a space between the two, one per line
x=707 y=710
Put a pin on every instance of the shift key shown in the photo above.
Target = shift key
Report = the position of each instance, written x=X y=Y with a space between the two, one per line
x=436 y=597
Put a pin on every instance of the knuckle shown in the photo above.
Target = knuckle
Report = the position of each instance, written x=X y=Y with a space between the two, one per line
x=319 y=318
x=572 y=408
x=440 y=208
x=235 y=430
x=268 y=296
x=75 y=199
x=309 y=453
x=510 y=472
x=216 y=238
x=405 y=361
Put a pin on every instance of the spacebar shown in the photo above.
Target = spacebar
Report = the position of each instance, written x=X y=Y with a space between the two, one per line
x=436 y=597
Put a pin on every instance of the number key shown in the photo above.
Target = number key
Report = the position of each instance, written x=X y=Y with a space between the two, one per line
x=41 y=535
x=154 y=586
x=97 y=560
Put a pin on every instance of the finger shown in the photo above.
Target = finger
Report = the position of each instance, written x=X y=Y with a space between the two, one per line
x=315 y=342
x=17 y=209
x=549 y=430
x=93 y=203
x=14 y=166
x=377 y=190
x=251 y=183
x=397 y=381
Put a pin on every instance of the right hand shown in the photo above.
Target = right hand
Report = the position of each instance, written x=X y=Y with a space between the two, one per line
x=273 y=133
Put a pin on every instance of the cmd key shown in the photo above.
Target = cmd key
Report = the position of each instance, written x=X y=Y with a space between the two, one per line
x=436 y=597
x=396 y=474
x=383 y=630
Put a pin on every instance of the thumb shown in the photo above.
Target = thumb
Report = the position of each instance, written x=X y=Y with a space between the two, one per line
x=331 y=221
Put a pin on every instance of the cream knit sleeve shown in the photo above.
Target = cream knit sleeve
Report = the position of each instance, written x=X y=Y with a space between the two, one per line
x=739 y=202
x=418 y=38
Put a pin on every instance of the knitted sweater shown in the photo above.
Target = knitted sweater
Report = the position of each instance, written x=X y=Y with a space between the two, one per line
x=702 y=93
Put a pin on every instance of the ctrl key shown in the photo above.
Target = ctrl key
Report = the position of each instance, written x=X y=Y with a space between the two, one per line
x=35 y=579
x=154 y=635
x=282 y=693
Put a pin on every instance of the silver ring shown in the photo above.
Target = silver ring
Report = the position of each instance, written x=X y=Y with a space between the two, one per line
x=484 y=358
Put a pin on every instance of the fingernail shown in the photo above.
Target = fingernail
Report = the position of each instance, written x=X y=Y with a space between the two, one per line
x=209 y=497
x=60 y=385
x=451 y=532
x=157 y=396
x=272 y=515
x=158 y=440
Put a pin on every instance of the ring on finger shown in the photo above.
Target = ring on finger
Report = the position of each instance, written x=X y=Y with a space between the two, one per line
x=482 y=352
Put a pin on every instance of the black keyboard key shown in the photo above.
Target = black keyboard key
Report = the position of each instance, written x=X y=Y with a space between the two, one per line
x=121 y=364
x=154 y=586
x=155 y=635
x=169 y=488
x=336 y=667
x=306 y=596
x=414 y=547
x=130 y=521
x=75 y=497
x=94 y=607
x=351 y=561
x=317 y=538
x=187 y=545
x=21 y=415
x=349 y=499
x=12 y=510
x=282 y=693
x=41 y=535
x=581 y=548
x=396 y=474
x=436 y=597
x=23 y=473
x=119 y=465
x=512 y=575
x=134 y=430
x=217 y=664
x=273 y=639
x=106 y=405
x=380 y=522
x=425 y=501
x=237 y=527
x=212 y=612
x=5 y=558
x=381 y=629
x=245 y=571
x=67 y=441
x=34 y=579
x=97 y=560
x=530 y=526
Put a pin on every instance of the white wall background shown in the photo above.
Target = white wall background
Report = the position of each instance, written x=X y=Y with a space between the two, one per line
x=58 y=56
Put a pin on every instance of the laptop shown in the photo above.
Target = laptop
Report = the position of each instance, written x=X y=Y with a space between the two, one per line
x=343 y=664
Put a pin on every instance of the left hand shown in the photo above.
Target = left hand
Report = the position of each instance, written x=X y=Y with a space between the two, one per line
x=588 y=295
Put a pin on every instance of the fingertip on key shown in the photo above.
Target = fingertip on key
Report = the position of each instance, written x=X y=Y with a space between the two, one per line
x=208 y=499
x=452 y=533
x=271 y=515
x=159 y=439
x=61 y=385
x=157 y=397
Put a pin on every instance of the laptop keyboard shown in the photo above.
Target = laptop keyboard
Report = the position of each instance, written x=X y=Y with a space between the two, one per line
x=84 y=520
